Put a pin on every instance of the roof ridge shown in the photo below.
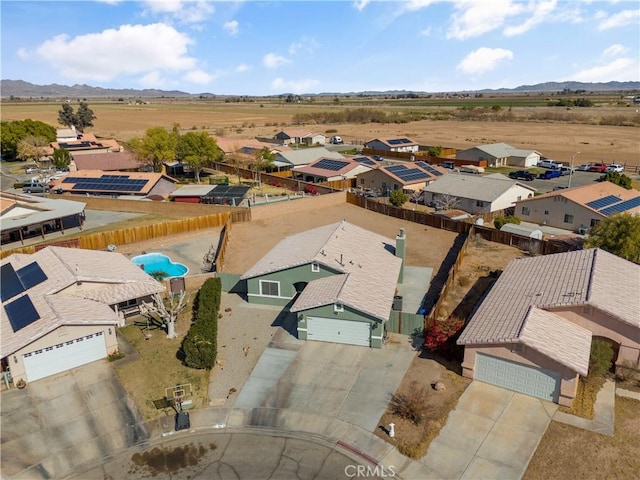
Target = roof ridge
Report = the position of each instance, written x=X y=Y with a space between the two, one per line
x=591 y=275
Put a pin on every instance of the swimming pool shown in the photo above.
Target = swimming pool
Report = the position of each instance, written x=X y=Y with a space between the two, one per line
x=157 y=262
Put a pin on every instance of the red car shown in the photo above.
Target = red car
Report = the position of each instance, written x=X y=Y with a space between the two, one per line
x=598 y=168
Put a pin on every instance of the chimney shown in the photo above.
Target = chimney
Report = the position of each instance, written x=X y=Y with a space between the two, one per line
x=401 y=241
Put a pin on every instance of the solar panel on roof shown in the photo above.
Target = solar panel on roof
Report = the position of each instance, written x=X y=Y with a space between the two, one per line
x=31 y=275
x=621 y=207
x=21 y=313
x=394 y=141
x=364 y=160
x=599 y=203
x=432 y=170
x=333 y=165
x=396 y=168
x=11 y=284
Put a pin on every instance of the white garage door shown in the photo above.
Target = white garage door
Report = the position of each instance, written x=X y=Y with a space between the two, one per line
x=526 y=379
x=338 y=331
x=64 y=356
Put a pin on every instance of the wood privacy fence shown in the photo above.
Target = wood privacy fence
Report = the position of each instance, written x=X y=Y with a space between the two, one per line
x=222 y=245
x=541 y=247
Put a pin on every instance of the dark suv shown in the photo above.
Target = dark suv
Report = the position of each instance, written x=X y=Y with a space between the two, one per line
x=522 y=175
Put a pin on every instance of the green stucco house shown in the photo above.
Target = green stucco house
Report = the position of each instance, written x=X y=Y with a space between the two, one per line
x=340 y=279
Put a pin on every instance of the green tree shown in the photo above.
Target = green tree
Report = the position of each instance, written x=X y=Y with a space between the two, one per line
x=601 y=357
x=84 y=117
x=499 y=222
x=197 y=149
x=61 y=158
x=200 y=345
x=435 y=151
x=155 y=147
x=66 y=115
x=618 y=234
x=32 y=148
x=397 y=198
x=12 y=132
x=618 y=178
x=263 y=159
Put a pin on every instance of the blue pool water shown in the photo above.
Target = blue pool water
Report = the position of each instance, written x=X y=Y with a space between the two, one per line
x=157 y=262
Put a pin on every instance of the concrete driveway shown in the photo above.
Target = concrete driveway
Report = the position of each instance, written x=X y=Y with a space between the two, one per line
x=353 y=384
x=492 y=433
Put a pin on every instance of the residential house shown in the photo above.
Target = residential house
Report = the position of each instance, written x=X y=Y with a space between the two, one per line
x=533 y=331
x=24 y=216
x=396 y=144
x=108 y=162
x=579 y=208
x=97 y=182
x=86 y=144
x=328 y=169
x=304 y=156
x=500 y=155
x=300 y=136
x=476 y=194
x=408 y=176
x=339 y=279
x=246 y=146
x=190 y=193
x=62 y=306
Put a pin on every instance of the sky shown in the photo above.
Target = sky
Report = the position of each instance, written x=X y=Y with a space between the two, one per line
x=280 y=47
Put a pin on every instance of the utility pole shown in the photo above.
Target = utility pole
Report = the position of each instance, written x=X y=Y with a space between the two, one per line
x=571 y=168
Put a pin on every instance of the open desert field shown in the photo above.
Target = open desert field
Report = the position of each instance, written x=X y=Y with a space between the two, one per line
x=578 y=132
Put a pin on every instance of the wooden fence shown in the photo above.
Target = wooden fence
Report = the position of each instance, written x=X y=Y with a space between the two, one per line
x=222 y=246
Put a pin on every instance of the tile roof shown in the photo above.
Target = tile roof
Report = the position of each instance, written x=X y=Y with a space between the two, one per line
x=386 y=141
x=487 y=188
x=311 y=169
x=410 y=166
x=584 y=277
x=306 y=156
x=106 y=161
x=363 y=257
x=80 y=286
x=504 y=150
x=151 y=178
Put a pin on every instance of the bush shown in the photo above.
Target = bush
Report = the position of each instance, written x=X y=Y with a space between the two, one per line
x=200 y=345
x=398 y=198
x=411 y=406
x=440 y=336
x=601 y=357
x=499 y=222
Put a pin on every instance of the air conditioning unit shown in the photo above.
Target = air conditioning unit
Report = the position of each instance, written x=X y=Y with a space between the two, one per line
x=583 y=230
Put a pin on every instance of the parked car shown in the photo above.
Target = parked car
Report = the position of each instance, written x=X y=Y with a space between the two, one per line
x=35 y=187
x=583 y=168
x=614 y=167
x=597 y=167
x=551 y=164
x=567 y=170
x=336 y=140
x=471 y=169
x=378 y=158
x=522 y=175
x=448 y=165
x=549 y=174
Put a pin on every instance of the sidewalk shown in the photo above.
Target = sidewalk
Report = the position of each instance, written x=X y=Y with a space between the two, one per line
x=603 y=412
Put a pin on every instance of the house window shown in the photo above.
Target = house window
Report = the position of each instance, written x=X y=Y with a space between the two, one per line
x=594 y=222
x=479 y=203
x=546 y=212
x=362 y=181
x=269 y=289
x=338 y=307
x=128 y=303
x=315 y=267
x=396 y=186
x=526 y=211
x=568 y=218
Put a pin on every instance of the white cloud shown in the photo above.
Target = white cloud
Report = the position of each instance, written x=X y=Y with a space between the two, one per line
x=231 y=27
x=187 y=11
x=483 y=60
x=306 y=44
x=110 y=2
x=620 y=69
x=130 y=49
x=271 y=60
x=541 y=13
x=23 y=53
x=198 y=76
x=477 y=17
x=361 y=4
x=614 y=50
x=152 y=80
x=620 y=19
x=418 y=4
x=243 y=67
x=301 y=86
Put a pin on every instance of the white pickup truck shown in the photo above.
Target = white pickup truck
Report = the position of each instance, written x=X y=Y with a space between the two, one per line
x=550 y=164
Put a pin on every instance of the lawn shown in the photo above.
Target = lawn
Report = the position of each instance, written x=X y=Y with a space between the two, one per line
x=566 y=452
x=159 y=367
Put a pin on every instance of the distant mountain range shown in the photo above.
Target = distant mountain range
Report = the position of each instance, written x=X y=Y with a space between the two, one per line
x=20 y=88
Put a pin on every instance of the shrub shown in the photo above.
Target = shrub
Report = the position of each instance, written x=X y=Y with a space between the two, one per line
x=411 y=406
x=200 y=344
x=441 y=334
x=499 y=222
x=601 y=357
x=398 y=198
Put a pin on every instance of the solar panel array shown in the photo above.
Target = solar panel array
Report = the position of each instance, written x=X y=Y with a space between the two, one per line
x=14 y=283
x=21 y=313
x=365 y=161
x=328 y=164
x=407 y=174
x=621 y=207
x=429 y=168
x=398 y=141
x=107 y=183
x=226 y=195
x=603 y=202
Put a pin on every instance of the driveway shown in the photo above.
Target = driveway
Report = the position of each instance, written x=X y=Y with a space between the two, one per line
x=492 y=433
x=353 y=384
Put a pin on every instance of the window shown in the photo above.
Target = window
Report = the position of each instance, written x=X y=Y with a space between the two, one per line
x=271 y=289
x=396 y=186
x=315 y=267
x=361 y=181
x=594 y=222
x=338 y=307
x=526 y=211
x=480 y=203
x=546 y=212
x=568 y=218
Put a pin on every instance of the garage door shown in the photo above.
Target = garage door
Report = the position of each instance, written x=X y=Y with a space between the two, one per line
x=338 y=331
x=526 y=379
x=64 y=356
